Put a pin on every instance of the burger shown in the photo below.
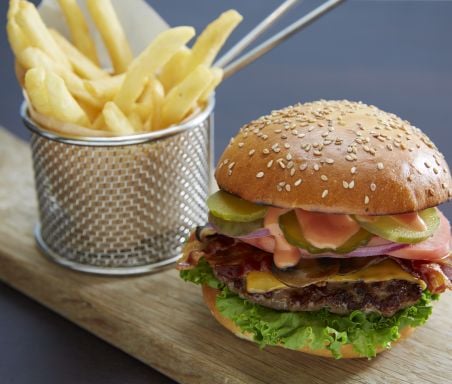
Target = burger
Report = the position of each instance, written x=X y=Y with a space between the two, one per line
x=325 y=236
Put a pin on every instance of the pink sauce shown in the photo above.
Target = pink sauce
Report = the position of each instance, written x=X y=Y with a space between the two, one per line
x=325 y=230
x=411 y=220
x=284 y=254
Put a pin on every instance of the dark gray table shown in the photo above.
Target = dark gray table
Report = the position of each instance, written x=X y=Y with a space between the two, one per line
x=394 y=54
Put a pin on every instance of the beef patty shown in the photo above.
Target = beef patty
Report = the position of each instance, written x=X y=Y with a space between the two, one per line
x=385 y=297
x=232 y=259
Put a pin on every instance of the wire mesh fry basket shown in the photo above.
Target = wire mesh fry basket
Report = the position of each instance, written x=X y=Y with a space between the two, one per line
x=121 y=205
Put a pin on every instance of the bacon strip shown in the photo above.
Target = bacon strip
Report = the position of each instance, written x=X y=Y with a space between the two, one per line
x=437 y=275
x=233 y=259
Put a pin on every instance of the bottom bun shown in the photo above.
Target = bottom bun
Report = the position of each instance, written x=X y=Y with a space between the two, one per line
x=347 y=351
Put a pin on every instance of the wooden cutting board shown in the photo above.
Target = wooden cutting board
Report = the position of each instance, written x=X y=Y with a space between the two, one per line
x=162 y=321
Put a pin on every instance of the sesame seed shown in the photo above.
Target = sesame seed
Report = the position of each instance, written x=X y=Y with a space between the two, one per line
x=278 y=130
x=301 y=135
x=345 y=184
x=435 y=170
x=251 y=153
x=292 y=172
x=380 y=166
x=353 y=170
x=265 y=151
x=324 y=177
x=231 y=165
x=260 y=175
x=286 y=145
x=373 y=187
x=226 y=161
x=303 y=166
x=349 y=158
x=317 y=153
x=241 y=145
x=351 y=185
x=287 y=187
x=443 y=185
x=324 y=193
x=289 y=156
x=427 y=165
x=431 y=192
x=329 y=161
x=316 y=167
x=290 y=164
x=366 y=199
x=281 y=163
x=298 y=182
x=269 y=164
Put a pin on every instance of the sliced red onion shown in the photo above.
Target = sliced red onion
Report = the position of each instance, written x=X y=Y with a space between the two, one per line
x=262 y=232
x=359 y=252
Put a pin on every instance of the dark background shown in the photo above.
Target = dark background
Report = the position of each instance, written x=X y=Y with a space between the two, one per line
x=394 y=54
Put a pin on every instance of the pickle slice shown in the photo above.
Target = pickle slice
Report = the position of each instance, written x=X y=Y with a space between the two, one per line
x=232 y=208
x=235 y=228
x=294 y=235
x=389 y=228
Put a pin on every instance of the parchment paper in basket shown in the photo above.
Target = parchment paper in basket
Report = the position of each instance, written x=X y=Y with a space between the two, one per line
x=140 y=21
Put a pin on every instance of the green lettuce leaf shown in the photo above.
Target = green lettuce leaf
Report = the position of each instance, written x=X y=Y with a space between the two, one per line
x=201 y=274
x=317 y=329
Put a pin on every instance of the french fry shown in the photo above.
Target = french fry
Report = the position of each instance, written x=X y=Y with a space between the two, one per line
x=115 y=120
x=161 y=49
x=63 y=106
x=109 y=27
x=36 y=90
x=13 y=8
x=149 y=104
x=144 y=106
x=79 y=29
x=135 y=121
x=182 y=98
x=20 y=73
x=211 y=40
x=83 y=66
x=105 y=89
x=34 y=29
x=17 y=38
x=158 y=97
x=99 y=122
x=217 y=76
x=174 y=70
x=35 y=58
x=91 y=111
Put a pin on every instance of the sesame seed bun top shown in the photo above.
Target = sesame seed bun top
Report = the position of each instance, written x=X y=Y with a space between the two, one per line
x=338 y=157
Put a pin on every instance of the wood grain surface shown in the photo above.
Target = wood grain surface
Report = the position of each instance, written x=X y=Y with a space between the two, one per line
x=162 y=321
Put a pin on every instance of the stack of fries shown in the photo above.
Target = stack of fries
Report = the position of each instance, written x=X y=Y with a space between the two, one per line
x=69 y=92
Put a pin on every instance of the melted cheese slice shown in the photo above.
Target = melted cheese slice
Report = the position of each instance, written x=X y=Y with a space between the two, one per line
x=261 y=282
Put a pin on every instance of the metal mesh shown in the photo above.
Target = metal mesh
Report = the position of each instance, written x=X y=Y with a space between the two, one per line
x=127 y=206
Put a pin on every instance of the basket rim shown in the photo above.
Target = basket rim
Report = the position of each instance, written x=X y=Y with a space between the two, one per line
x=117 y=140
